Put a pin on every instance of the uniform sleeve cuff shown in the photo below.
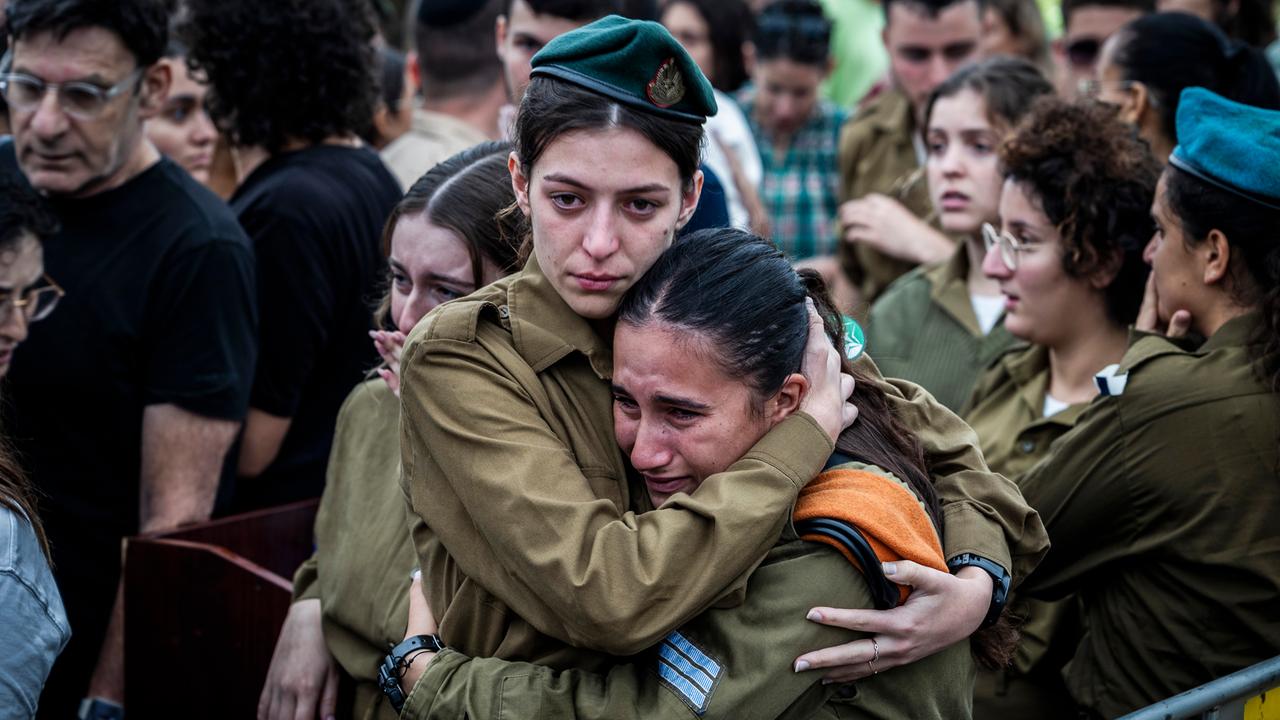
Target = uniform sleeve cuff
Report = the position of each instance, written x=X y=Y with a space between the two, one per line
x=306 y=585
x=969 y=530
x=797 y=446
x=424 y=692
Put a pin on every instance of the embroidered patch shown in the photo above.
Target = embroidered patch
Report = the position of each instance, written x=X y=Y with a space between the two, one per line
x=1109 y=383
x=688 y=672
x=854 y=339
x=667 y=86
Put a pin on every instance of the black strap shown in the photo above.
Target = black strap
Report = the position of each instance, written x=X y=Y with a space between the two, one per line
x=838 y=458
x=884 y=592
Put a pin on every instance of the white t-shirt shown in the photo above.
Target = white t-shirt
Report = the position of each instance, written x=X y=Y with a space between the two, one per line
x=988 y=308
x=1053 y=406
x=728 y=129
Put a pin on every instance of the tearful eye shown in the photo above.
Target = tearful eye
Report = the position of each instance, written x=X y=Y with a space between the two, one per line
x=566 y=201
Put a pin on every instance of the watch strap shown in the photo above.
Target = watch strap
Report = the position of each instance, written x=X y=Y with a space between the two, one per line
x=999 y=577
x=394 y=665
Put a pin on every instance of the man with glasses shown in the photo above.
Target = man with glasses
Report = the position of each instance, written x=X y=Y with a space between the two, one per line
x=1086 y=26
x=124 y=402
x=885 y=197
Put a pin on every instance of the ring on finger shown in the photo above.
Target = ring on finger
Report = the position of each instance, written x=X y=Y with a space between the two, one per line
x=875 y=650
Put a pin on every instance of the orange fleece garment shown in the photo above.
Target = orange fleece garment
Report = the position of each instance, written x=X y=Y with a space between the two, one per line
x=884 y=510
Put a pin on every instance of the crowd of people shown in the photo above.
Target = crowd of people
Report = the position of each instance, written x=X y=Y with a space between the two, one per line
x=702 y=358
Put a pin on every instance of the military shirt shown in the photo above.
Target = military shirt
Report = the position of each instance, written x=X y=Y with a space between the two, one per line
x=928 y=310
x=727 y=663
x=1162 y=504
x=878 y=155
x=360 y=571
x=526 y=520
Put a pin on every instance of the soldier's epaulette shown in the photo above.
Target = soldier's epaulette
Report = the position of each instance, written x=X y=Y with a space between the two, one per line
x=457 y=320
x=1017 y=348
x=1146 y=348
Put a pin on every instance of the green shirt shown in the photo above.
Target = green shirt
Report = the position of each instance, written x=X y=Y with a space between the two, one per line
x=1162 y=505
x=732 y=662
x=360 y=571
x=928 y=309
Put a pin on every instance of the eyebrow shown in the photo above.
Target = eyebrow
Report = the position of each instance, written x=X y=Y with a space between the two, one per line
x=566 y=180
x=681 y=402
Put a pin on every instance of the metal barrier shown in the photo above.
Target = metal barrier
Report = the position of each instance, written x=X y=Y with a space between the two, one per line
x=1255 y=690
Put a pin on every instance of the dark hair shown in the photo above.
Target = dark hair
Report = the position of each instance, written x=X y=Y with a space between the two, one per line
x=587 y=10
x=1008 y=87
x=1095 y=181
x=1254 y=22
x=1069 y=6
x=729 y=25
x=286 y=69
x=929 y=8
x=740 y=292
x=459 y=59
x=142 y=25
x=1168 y=52
x=22 y=211
x=464 y=194
x=392 y=63
x=795 y=30
x=550 y=108
x=1250 y=230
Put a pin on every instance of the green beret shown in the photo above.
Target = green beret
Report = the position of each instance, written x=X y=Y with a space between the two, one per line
x=635 y=62
x=1231 y=146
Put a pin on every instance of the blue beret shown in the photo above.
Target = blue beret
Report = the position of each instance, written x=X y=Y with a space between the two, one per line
x=636 y=62
x=1229 y=145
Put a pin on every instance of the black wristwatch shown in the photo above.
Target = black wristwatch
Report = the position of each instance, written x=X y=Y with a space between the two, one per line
x=999 y=578
x=397 y=662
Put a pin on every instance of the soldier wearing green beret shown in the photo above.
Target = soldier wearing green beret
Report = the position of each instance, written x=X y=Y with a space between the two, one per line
x=1162 y=500
x=528 y=534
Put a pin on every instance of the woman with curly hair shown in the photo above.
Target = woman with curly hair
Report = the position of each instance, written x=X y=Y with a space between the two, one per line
x=291 y=83
x=1162 y=500
x=1068 y=260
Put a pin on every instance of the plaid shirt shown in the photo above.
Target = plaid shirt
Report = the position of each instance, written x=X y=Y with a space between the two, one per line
x=801 y=189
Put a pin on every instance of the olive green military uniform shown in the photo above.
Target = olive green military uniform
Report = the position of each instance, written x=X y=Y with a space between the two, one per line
x=923 y=329
x=1007 y=412
x=727 y=663
x=1162 y=505
x=530 y=541
x=360 y=572
x=877 y=155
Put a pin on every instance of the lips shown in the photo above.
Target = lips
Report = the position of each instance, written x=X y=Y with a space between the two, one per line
x=666 y=486
x=952 y=200
x=595 y=282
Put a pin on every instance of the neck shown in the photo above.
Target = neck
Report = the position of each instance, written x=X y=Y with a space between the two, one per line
x=142 y=156
x=1209 y=321
x=480 y=111
x=1072 y=364
x=978 y=282
x=247 y=158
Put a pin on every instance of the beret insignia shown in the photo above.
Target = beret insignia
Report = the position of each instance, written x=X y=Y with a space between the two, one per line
x=667 y=86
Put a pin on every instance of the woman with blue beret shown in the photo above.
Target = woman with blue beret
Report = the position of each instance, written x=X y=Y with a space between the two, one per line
x=1162 y=501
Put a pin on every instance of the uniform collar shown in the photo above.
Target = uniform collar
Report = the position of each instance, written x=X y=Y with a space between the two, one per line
x=891 y=113
x=1235 y=332
x=949 y=289
x=1028 y=370
x=545 y=329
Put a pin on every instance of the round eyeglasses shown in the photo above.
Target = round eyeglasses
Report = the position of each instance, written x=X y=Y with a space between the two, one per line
x=79 y=98
x=35 y=303
x=1008 y=245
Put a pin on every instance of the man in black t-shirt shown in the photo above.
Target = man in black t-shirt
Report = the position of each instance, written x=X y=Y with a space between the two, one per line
x=314 y=202
x=124 y=402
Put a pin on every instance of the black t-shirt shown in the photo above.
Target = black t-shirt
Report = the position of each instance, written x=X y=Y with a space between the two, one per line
x=316 y=218
x=160 y=309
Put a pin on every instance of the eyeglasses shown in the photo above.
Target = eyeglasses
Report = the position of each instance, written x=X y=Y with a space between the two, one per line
x=1009 y=245
x=79 y=98
x=1083 y=52
x=35 y=304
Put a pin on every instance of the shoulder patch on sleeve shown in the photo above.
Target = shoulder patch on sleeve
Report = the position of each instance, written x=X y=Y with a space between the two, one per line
x=1110 y=381
x=687 y=671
